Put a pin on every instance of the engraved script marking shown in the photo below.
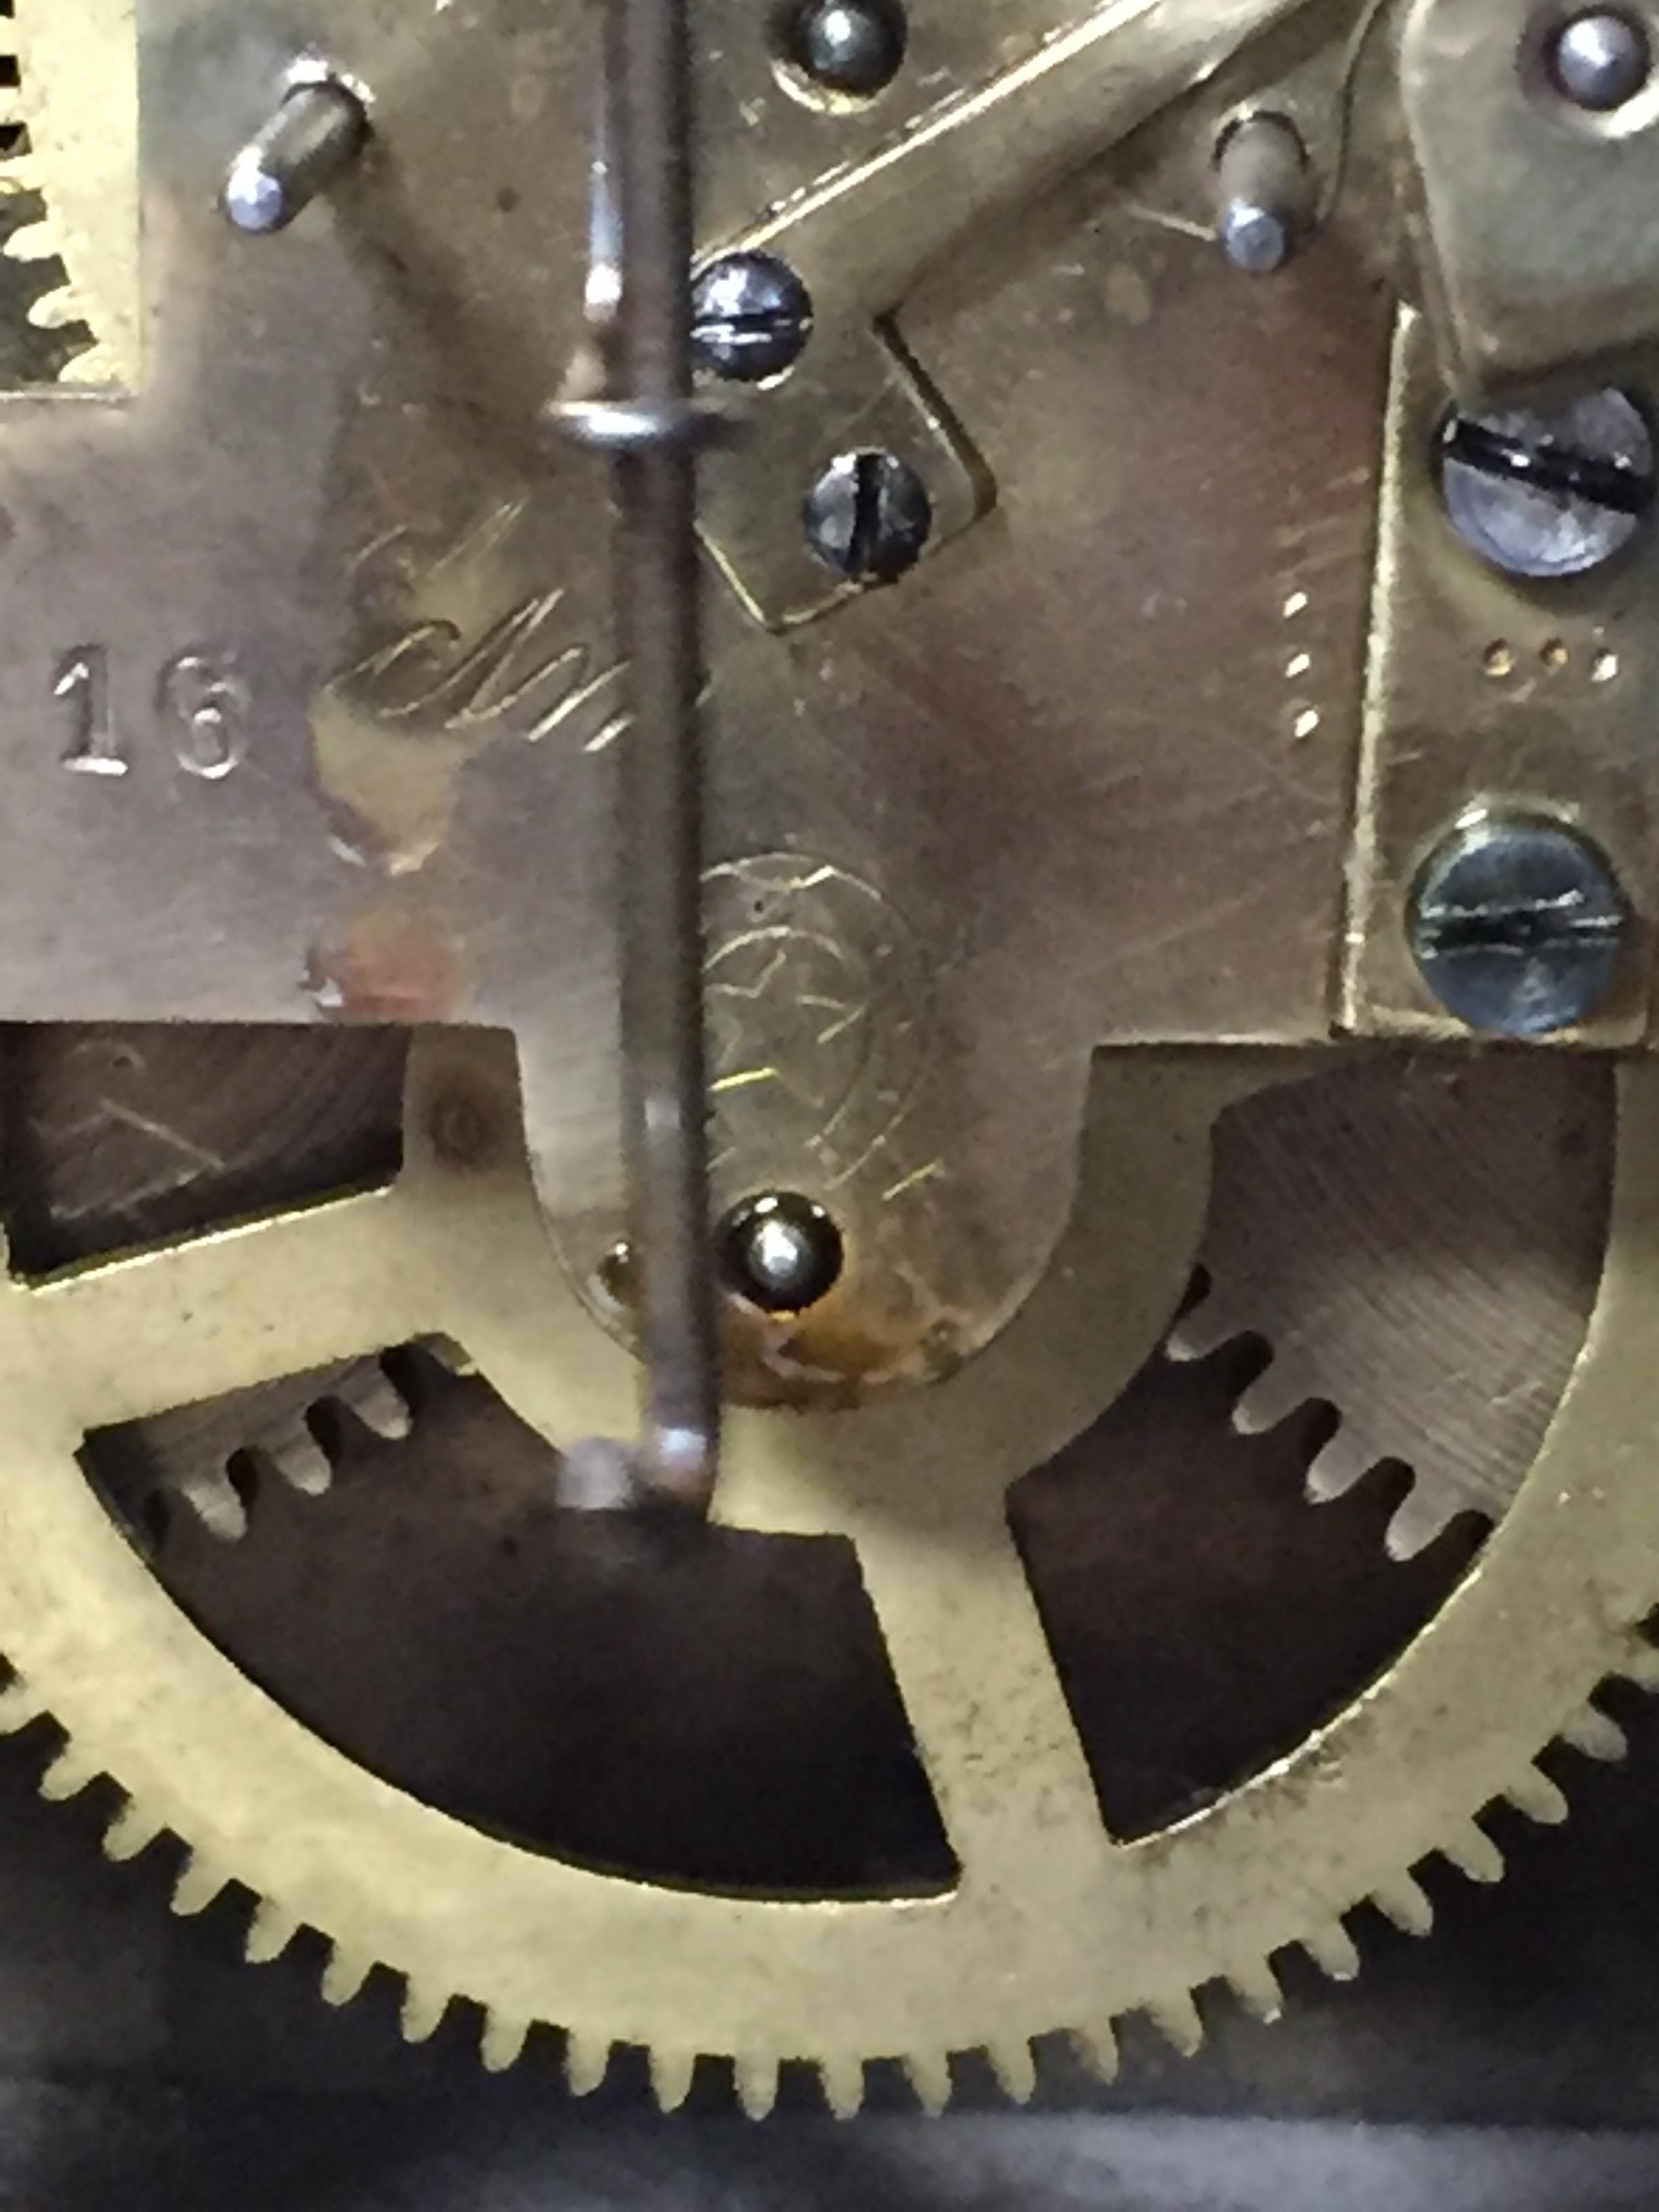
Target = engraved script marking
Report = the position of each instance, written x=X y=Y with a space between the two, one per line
x=461 y=686
x=439 y=672
x=490 y=681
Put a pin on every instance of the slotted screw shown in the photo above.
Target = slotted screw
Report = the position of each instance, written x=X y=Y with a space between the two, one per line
x=1548 y=494
x=869 y=517
x=750 y=318
x=1518 y=925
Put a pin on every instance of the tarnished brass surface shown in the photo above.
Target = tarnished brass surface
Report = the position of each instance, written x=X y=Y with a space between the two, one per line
x=1028 y=101
x=365 y=703
x=1417 y=1239
x=1539 y=250
x=1482 y=690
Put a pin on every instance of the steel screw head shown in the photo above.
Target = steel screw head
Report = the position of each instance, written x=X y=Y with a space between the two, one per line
x=851 y=48
x=1517 y=925
x=750 y=318
x=1600 y=60
x=1548 y=494
x=869 y=517
x=781 y=1253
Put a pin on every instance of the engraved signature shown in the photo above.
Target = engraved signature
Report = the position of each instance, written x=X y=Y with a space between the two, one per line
x=445 y=673
x=477 y=687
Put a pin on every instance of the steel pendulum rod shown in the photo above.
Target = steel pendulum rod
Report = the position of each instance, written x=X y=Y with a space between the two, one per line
x=651 y=423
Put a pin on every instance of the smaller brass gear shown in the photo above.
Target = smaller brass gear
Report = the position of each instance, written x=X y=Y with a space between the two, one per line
x=1417 y=1244
x=69 y=174
x=195 y=1454
x=118 y=1134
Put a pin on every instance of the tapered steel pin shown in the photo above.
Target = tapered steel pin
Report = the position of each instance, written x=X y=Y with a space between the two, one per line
x=316 y=135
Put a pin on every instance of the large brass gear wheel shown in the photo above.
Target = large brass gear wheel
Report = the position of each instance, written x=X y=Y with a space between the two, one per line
x=1051 y=1926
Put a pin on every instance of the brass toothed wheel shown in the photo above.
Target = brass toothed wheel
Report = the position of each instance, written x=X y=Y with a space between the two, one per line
x=69 y=198
x=1049 y=1924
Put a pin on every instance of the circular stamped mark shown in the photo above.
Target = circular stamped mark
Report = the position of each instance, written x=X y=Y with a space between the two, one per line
x=819 y=1010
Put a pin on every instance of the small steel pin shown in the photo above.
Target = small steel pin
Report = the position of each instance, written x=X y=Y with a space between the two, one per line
x=1264 y=194
x=315 y=137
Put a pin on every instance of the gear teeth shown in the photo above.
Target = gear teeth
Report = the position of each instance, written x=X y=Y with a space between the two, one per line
x=269 y=1933
x=671 y=2076
x=1176 y=2020
x=21 y=1705
x=423 y=2012
x=1538 y=1798
x=929 y=2073
x=291 y=1450
x=1256 y=1987
x=587 y=2061
x=1405 y=1903
x=1473 y=1853
x=303 y=1464
x=1417 y=1522
x=68 y=1774
x=197 y=1887
x=29 y=238
x=1205 y=1328
x=130 y=1833
x=1014 y=2065
x=1097 y=2049
x=501 y=2045
x=213 y=1497
x=843 y=2085
x=1335 y=1468
x=344 y=1975
x=1273 y=1397
x=1639 y=1663
x=29 y=243
x=1592 y=1732
x=1333 y=1950
x=369 y=1393
x=756 y=2080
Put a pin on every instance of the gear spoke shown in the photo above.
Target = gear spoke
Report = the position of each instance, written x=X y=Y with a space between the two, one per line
x=991 y=1722
x=139 y=1335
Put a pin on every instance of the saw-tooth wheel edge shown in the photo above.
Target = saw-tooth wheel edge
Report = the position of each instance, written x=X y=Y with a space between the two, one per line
x=42 y=327
x=588 y=2051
